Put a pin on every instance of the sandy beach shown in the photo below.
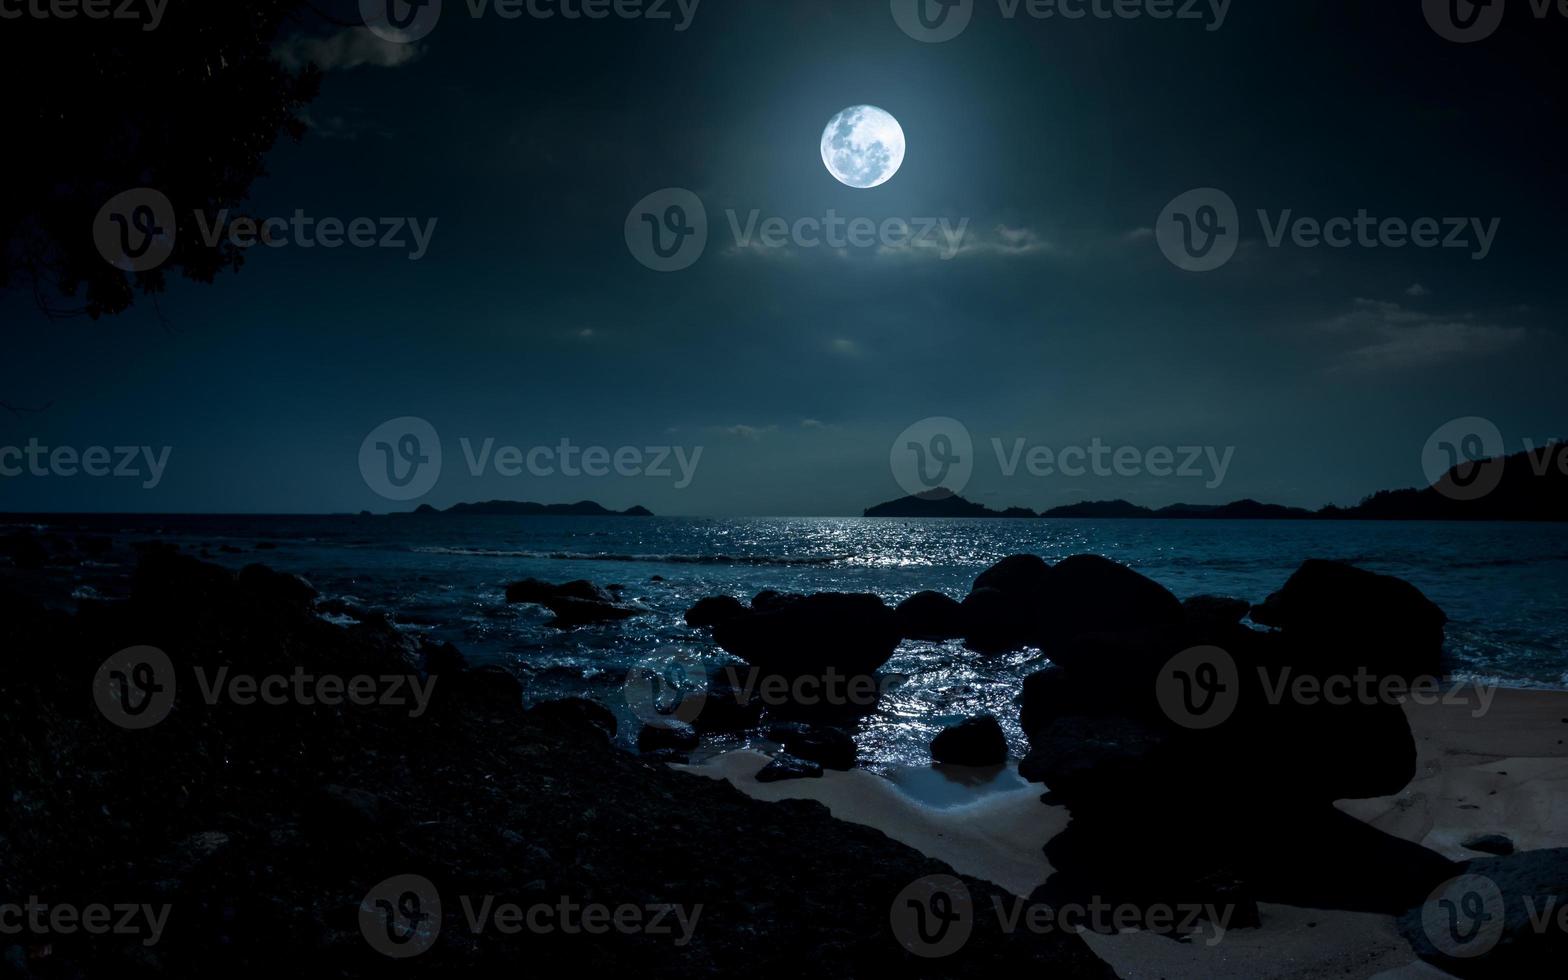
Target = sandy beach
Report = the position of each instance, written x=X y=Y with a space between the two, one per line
x=1502 y=770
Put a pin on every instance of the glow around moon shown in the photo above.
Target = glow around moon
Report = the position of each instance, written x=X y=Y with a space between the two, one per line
x=863 y=146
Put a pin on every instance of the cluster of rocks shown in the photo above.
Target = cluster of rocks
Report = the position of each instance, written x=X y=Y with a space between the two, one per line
x=577 y=603
x=264 y=828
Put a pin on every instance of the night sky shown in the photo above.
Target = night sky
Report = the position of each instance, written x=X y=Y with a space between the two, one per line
x=1059 y=321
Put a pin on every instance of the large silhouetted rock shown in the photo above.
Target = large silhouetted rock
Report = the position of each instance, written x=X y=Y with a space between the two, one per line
x=794 y=636
x=1359 y=618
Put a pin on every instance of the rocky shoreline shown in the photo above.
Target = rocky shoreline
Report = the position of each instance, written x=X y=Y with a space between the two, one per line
x=263 y=828
x=267 y=812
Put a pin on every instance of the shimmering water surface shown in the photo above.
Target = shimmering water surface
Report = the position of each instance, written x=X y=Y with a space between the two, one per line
x=1504 y=586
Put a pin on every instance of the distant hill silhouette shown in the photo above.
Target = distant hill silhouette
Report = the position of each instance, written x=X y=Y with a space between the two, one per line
x=524 y=508
x=1529 y=486
x=940 y=503
x=1238 y=510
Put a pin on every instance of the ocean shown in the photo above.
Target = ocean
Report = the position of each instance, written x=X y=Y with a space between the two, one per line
x=1503 y=586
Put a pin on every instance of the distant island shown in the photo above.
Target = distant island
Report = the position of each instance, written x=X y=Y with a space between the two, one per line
x=1530 y=486
x=524 y=508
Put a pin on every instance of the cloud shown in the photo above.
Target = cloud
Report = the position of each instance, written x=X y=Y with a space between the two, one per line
x=1139 y=235
x=811 y=424
x=342 y=127
x=1418 y=291
x=346 y=49
x=1387 y=336
x=746 y=431
x=843 y=345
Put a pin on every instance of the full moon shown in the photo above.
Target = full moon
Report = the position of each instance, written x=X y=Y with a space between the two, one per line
x=863 y=146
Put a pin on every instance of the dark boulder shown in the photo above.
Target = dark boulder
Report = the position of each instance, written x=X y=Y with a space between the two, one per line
x=930 y=616
x=1215 y=610
x=714 y=610
x=771 y=599
x=667 y=735
x=1359 y=619
x=796 y=636
x=24 y=550
x=543 y=593
x=976 y=741
x=786 y=766
x=1093 y=759
x=1021 y=601
x=1090 y=594
x=574 y=713
x=489 y=687
x=576 y=603
x=1499 y=917
x=730 y=706
x=1016 y=574
x=833 y=748
x=571 y=612
x=1497 y=844
x=263 y=581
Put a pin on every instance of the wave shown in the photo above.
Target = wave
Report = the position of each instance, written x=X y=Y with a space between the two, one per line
x=819 y=560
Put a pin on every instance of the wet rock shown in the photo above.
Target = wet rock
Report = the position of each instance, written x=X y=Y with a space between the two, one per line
x=785 y=766
x=833 y=748
x=1488 y=844
x=930 y=616
x=713 y=610
x=1215 y=610
x=580 y=714
x=795 y=636
x=1500 y=917
x=976 y=741
x=674 y=735
x=1358 y=618
x=541 y=593
x=264 y=581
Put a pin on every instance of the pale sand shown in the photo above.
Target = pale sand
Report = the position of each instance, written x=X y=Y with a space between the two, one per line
x=1503 y=772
